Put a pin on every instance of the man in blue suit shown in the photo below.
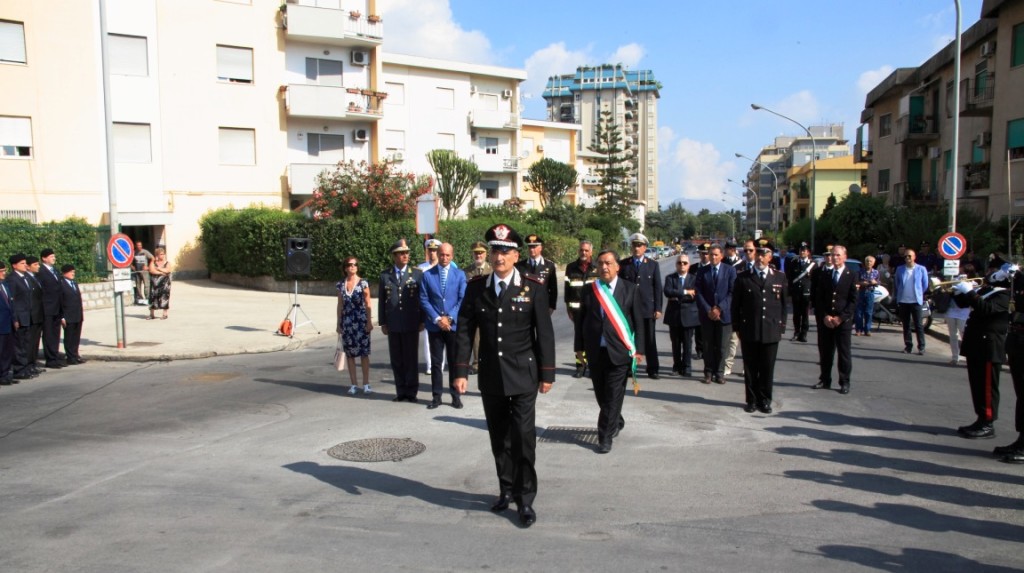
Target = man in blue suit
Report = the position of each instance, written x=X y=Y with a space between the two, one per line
x=681 y=314
x=444 y=286
x=714 y=302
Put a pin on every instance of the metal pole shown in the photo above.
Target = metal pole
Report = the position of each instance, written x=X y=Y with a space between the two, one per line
x=814 y=165
x=956 y=122
x=1009 y=210
x=111 y=185
x=757 y=204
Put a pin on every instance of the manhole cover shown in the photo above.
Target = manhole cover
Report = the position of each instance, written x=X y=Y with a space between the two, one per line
x=377 y=450
x=569 y=435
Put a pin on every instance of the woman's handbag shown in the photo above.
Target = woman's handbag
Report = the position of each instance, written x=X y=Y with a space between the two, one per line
x=339 y=355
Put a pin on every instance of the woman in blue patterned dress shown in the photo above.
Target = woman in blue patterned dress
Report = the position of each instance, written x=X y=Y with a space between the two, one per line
x=355 y=321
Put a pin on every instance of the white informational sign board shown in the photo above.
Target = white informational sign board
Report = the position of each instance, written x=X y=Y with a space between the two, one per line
x=426 y=214
x=123 y=280
x=950 y=268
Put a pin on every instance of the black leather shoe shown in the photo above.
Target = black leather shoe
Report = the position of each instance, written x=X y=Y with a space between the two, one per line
x=1009 y=448
x=398 y=398
x=604 y=447
x=615 y=434
x=686 y=372
x=749 y=408
x=456 y=403
x=765 y=408
x=527 y=516
x=433 y=404
x=411 y=399
x=6 y=382
x=1016 y=457
x=719 y=379
x=822 y=386
x=802 y=339
x=844 y=389
x=981 y=432
x=22 y=376
x=579 y=371
x=501 y=504
x=907 y=350
x=78 y=361
x=55 y=365
x=653 y=375
x=707 y=379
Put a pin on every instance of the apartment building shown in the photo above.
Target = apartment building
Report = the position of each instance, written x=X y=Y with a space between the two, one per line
x=632 y=97
x=836 y=176
x=471 y=109
x=548 y=140
x=908 y=122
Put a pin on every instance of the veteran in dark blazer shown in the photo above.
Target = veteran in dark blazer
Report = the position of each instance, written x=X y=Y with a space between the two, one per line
x=611 y=359
x=72 y=314
x=646 y=275
x=681 y=314
x=20 y=286
x=401 y=318
x=835 y=300
x=759 y=319
x=545 y=269
x=517 y=359
x=714 y=303
x=6 y=330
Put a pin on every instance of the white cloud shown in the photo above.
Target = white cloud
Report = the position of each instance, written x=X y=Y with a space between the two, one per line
x=694 y=170
x=628 y=55
x=427 y=28
x=556 y=59
x=870 y=79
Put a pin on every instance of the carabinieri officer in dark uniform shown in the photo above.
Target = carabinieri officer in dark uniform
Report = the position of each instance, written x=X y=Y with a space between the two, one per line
x=544 y=269
x=759 y=318
x=517 y=358
x=799 y=271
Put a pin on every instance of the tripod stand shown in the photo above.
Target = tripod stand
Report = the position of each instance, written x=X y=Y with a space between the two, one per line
x=292 y=316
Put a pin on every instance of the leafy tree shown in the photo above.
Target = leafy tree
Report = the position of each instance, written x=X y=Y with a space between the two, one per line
x=551 y=180
x=614 y=166
x=357 y=188
x=830 y=204
x=456 y=179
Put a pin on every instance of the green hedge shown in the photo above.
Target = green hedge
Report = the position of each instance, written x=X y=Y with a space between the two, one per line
x=250 y=242
x=74 y=241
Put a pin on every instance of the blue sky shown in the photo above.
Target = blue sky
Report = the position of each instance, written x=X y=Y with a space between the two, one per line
x=811 y=60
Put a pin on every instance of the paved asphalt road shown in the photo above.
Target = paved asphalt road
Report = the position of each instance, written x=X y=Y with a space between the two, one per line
x=220 y=464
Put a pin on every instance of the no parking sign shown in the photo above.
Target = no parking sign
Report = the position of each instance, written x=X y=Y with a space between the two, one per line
x=120 y=251
x=952 y=246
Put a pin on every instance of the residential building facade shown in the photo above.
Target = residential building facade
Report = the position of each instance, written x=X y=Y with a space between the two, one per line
x=836 y=176
x=548 y=140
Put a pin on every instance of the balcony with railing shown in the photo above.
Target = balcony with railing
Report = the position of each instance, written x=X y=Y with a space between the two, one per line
x=493 y=119
x=916 y=127
x=976 y=176
x=330 y=102
x=915 y=193
x=493 y=163
x=333 y=26
x=976 y=96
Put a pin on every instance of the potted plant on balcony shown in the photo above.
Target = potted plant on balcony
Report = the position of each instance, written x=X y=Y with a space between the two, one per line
x=374 y=19
x=355 y=14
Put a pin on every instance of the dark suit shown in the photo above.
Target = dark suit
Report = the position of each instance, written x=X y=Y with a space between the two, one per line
x=517 y=353
x=548 y=274
x=21 y=287
x=712 y=293
x=73 y=316
x=6 y=334
x=682 y=318
x=984 y=347
x=759 y=318
x=610 y=363
x=800 y=289
x=837 y=299
x=49 y=280
x=437 y=303
x=398 y=308
x=647 y=277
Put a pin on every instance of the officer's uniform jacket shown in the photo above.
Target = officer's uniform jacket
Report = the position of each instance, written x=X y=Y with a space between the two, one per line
x=474 y=271
x=547 y=273
x=985 y=332
x=801 y=285
x=759 y=308
x=398 y=302
x=648 y=281
x=575 y=280
x=517 y=341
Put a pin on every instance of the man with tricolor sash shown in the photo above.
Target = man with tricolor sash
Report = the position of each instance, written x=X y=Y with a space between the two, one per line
x=610 y=310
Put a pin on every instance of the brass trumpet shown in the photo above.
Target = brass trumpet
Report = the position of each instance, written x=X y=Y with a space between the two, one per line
x=947 y=286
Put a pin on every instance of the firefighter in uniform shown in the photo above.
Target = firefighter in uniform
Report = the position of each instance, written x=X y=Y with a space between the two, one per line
x=984 y=346
x=798 y=271
x=759 y=318
x=1014 y=453
x=579 y=274
x=510 y=309
x=536 y=264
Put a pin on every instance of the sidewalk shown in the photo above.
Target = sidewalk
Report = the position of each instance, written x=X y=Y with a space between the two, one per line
x=206 y=319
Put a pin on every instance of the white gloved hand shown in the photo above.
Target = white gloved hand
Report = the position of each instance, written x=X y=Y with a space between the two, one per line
x=963 y=287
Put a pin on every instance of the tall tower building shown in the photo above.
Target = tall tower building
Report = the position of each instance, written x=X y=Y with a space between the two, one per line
x=632 y=97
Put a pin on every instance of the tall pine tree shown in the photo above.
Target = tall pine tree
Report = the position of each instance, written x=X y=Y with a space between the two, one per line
x=615 y=167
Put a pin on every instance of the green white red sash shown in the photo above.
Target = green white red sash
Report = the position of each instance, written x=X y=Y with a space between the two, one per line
x=614 y=313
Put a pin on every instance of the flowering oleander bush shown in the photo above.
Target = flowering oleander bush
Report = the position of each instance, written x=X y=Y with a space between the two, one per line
x=354 y=189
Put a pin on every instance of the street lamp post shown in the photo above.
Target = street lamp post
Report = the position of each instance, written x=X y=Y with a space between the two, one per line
x=814 y=156
x=775 y=190
x=732 y=221
x=757 y=206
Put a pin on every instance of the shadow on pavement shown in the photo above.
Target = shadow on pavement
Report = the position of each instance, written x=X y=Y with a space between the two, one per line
x=469 y=422
x=927 y=520
x=885 y=442
x=678 y=398
x=355 y=480
x=875 y=461
x=840 y=419
x=909 y=560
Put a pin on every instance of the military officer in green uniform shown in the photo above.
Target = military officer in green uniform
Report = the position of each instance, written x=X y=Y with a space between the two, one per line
x=510 y=309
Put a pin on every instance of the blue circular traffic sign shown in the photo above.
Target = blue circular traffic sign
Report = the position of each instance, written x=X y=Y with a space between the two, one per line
x=120 y=251
x=952 y=246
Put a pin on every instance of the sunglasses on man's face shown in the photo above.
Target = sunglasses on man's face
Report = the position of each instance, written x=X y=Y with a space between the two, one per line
x=750 y=250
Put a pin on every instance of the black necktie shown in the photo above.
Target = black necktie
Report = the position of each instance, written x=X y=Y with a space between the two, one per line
x=762 y=276
x=501 y=290
x=714 y=275
x=835 y=277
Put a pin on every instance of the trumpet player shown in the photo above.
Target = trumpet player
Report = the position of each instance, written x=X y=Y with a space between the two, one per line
x=984 y=346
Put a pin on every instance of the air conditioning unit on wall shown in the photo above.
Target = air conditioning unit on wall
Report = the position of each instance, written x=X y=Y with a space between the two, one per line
x=506 y=94
x=360 y=135
x=988 y=49
x=360 y=58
